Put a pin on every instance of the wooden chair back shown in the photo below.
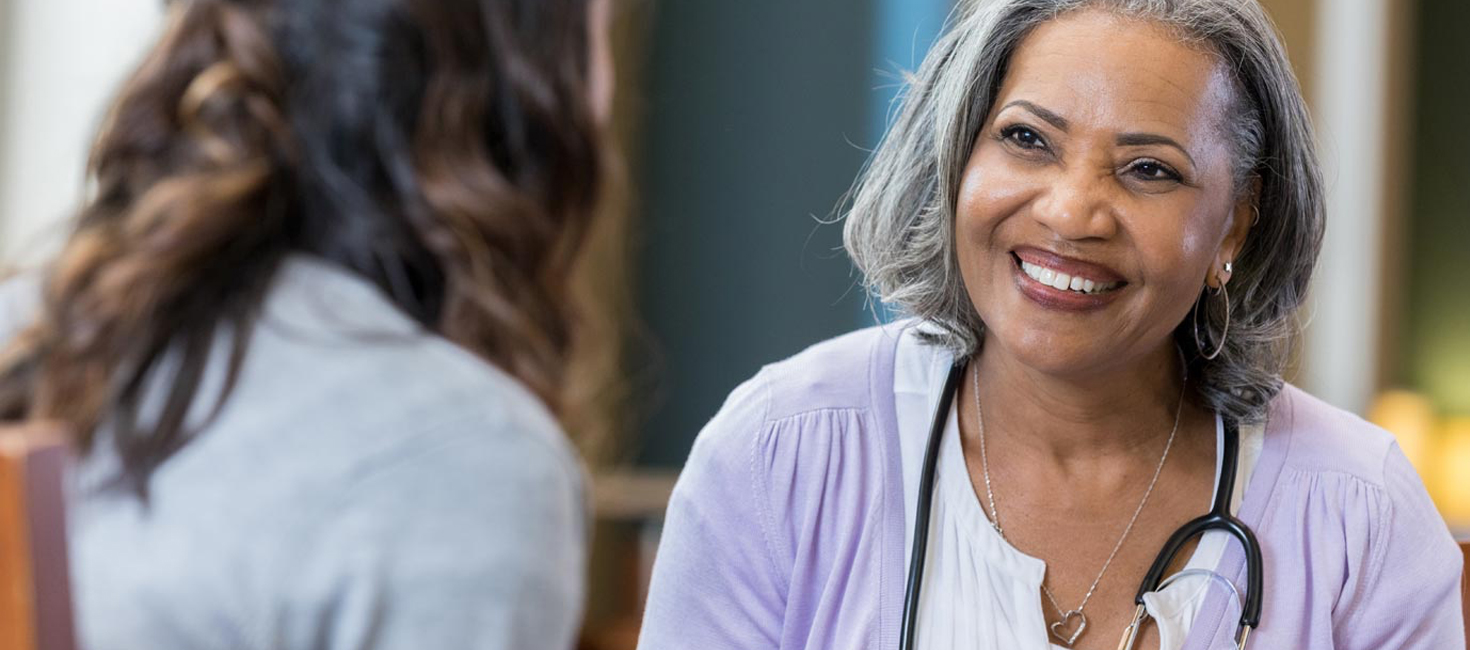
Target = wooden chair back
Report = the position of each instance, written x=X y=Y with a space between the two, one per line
x=35 y=583
x=1465 y=587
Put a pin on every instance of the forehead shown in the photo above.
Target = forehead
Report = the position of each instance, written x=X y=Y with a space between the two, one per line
x=1113 y=72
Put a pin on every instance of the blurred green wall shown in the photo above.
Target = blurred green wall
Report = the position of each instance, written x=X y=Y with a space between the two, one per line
x=1437 y=348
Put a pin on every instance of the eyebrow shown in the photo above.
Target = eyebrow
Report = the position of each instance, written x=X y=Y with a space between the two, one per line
x=1145 y=139
x=1050 y=117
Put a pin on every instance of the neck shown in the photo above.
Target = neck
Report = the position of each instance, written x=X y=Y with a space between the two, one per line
x=1067 y=417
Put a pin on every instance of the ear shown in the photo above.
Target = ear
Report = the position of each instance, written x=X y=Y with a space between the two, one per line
x=1244 y=215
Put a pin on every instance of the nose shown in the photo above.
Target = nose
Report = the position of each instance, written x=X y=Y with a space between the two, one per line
x=1077 y=206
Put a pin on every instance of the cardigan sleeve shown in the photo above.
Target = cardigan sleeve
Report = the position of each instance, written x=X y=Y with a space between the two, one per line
x=715 y=582
x=1407 y=597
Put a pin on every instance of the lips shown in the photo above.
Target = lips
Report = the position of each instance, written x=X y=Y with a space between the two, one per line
x=1064 y=283
x=1072 y=267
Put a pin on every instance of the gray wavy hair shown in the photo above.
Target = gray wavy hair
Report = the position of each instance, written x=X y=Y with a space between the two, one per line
x=900 y=223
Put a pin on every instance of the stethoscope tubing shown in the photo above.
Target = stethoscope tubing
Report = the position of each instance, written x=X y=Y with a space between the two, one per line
x=926 y=502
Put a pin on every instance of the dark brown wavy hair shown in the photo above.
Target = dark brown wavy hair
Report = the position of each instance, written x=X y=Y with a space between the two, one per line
x=445 y=150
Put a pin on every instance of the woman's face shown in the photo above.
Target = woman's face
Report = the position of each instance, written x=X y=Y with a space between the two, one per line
x=1104 y=159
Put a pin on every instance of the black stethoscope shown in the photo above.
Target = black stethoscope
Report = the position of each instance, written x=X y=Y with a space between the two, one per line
x=1218 y=518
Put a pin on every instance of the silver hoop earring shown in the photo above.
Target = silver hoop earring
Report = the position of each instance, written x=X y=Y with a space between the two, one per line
x=1224 y=333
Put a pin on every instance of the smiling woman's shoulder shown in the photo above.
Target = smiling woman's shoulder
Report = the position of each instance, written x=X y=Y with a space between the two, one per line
x=1325 y=438
x=799 y=415
x=1349 y=522
x=842 y=372
x=787 y=474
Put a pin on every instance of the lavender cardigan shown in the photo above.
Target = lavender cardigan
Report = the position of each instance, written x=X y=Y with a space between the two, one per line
x=786 y=529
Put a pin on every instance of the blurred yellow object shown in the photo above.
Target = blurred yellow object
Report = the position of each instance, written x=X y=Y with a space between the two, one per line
x=1452 y=489
x=1410 y=417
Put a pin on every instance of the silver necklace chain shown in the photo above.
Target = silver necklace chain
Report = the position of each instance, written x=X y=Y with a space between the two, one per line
x=1059 y=629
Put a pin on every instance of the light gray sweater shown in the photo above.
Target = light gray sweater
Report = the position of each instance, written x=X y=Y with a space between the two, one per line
x=368 y=486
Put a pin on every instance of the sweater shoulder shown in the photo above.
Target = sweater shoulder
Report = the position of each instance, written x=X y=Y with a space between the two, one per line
x=843 y=372
x=1327 y=439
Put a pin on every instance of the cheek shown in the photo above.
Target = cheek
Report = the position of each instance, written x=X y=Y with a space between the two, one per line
x=989 y=192
x=1175 y=253
x=1197 y=234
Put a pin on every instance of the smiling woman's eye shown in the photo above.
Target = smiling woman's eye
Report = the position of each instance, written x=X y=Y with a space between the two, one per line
x=1024 y=137
x=1153 y=170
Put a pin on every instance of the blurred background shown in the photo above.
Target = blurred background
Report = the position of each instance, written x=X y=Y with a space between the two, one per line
x=743 y=123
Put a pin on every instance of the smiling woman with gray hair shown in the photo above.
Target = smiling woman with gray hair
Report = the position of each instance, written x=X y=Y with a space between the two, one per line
x=1102 y=216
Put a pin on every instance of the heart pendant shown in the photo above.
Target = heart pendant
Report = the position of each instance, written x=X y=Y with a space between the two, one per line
x=1060 y=628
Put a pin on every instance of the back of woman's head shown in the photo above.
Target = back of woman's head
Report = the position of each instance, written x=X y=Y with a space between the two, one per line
x=445 y=150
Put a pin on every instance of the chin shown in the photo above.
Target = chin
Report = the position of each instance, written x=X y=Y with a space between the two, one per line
x=1052 y=353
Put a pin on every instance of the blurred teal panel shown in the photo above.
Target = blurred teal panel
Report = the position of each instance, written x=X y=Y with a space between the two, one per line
x=757 y=116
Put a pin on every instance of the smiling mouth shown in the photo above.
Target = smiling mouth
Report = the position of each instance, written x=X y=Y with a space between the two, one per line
x=1062 y=281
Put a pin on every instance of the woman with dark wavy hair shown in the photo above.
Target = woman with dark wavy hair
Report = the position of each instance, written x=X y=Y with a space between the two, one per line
x=310 y=328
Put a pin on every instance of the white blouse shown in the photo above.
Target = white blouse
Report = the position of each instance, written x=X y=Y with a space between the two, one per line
x=978 y=589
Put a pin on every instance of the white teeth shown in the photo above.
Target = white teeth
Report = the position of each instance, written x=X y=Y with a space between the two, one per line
x=1059 y=280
